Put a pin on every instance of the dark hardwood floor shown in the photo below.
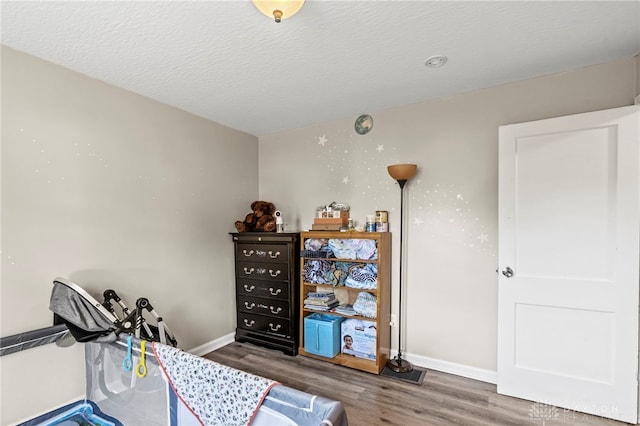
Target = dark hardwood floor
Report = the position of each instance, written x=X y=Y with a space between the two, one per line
x=442 y=399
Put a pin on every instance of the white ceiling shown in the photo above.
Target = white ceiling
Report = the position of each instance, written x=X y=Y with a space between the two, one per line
x=225 y=61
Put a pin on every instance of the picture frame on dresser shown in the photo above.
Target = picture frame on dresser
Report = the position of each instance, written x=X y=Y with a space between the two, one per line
x=267 y=293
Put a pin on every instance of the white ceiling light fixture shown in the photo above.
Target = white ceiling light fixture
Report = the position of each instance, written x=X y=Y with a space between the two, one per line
x=278 y=9
x=436 y=61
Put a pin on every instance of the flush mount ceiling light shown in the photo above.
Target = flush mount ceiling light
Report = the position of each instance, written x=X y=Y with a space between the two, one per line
x=278 y=9
x=436 y=61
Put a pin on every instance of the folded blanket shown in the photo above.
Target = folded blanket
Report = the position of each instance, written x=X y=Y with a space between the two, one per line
x=215 y=394
x=353 y=248
x=363 y=276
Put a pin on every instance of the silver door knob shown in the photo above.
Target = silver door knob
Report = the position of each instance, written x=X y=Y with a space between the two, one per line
x=507 y=272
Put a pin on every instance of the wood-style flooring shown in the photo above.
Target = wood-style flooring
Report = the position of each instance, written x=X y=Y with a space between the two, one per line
x=442 y=399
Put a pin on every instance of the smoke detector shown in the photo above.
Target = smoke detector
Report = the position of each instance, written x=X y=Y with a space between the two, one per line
x=436 y=61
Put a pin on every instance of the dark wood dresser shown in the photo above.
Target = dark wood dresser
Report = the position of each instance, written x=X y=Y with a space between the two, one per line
x=267 y=269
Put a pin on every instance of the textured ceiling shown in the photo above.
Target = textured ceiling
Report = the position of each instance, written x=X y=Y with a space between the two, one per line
x=225 y=61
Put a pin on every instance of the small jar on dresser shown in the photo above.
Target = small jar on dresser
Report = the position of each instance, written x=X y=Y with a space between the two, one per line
x=267 y=269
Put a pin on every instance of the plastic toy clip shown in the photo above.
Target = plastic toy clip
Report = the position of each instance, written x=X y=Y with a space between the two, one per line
x=127 y=362
x=141 y=368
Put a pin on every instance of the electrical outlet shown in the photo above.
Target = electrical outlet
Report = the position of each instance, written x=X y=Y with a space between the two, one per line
x=393 y=323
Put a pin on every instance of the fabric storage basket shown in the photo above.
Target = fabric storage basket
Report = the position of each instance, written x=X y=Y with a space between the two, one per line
x=322 y=334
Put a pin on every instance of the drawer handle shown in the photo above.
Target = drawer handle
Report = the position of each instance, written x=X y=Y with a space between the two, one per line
x=249 y=323
x=274 y=274
x=247 y=254
x=249 y=289
x=273 y=310
x=248 y=271
x=274 y=255
x=246 y=305
x=275 y=328
x=275 y=292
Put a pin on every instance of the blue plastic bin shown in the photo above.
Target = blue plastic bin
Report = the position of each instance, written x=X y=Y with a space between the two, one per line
x=322 y=334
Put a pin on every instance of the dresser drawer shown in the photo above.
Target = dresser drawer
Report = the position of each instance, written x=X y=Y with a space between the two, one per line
x=274 y=290
x=262 y=271
x=270 y=325
x=262 y=252
x=258 y=305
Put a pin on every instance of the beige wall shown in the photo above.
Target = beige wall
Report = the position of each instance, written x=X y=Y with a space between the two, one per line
x=451 y=294
x=638 y=74
x=111 y=190
x=114 y=190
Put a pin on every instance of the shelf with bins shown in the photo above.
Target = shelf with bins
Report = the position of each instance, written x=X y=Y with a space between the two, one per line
x=338 y=270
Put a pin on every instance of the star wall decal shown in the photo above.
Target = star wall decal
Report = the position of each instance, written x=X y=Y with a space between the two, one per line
x=417 y=221
x=322 y=140
x=380 y=148
x=483 y=238
x=345 y=179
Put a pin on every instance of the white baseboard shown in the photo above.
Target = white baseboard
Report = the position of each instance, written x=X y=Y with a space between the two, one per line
x=212 y=345
x=487 y=376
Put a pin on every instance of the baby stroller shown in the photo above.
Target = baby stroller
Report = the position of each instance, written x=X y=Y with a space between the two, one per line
x=89 y=320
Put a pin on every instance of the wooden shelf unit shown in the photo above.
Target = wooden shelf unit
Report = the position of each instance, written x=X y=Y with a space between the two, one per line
x=382 y=293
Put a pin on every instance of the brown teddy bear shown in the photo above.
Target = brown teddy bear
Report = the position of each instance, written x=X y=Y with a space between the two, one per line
x=261 y=218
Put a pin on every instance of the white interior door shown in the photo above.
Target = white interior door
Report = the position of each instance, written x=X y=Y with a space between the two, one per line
x=569 y=225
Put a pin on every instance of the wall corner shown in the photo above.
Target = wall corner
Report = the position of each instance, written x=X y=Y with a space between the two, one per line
x=637 y=77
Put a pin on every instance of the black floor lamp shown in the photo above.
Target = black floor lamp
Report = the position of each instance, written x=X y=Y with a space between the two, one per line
x=401 y=173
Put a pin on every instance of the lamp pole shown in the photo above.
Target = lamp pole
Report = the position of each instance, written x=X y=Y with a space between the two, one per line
x=401 y=173
x=398 y=364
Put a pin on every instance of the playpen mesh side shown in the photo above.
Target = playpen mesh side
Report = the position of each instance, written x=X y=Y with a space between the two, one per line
x=122 y=394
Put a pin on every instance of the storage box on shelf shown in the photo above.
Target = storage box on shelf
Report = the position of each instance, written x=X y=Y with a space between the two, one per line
x=266 y=290
x=322 y=334
x=331 y=263
x=329 y=223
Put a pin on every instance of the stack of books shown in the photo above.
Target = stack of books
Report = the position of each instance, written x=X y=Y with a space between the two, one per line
x=346 y=309
x=323 y=302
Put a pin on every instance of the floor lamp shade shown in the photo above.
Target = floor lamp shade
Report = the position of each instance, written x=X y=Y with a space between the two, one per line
x=401 y=173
